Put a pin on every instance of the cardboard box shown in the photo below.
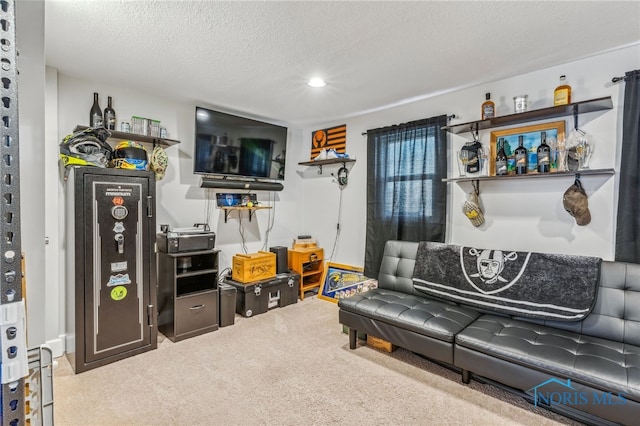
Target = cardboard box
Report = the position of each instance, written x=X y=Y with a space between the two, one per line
x=378 y=343
x=248 y=268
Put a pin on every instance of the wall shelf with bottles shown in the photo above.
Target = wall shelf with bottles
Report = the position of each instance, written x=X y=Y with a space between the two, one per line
x=320 y=163
x=582 y=107
x=126 y=136
x=576 y=174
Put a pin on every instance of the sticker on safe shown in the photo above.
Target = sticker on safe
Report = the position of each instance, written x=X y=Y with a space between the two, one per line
x=118 y=279
x=119 y=266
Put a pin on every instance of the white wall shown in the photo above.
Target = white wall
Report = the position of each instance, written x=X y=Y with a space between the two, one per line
x=520 y=214
x=180 y=200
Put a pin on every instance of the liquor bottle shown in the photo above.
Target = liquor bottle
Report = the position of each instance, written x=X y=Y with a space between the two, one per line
x=562 y=94
x=109 y=115
x=544 y=155
x=501 y=159
x=488 y=107
x=95 y=114
x=522 y=159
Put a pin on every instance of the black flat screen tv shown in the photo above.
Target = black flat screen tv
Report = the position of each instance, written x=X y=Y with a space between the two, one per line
x=234 y=146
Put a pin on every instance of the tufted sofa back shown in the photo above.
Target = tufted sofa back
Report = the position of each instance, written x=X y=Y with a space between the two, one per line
x=396 y=269
x=615 y=316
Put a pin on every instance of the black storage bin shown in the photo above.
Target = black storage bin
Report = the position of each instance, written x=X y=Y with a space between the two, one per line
x=260 y=296
x=227 y=304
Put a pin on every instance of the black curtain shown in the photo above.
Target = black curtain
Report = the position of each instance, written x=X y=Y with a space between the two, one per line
x=406 y=197
x=628 y=222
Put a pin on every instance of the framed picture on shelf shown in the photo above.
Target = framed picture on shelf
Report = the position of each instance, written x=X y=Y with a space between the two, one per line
x=532 y=135
x=340 y=281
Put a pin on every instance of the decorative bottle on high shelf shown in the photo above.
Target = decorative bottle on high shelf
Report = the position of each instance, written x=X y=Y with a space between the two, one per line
x=544 y=155
x=562 y=94
x=95 y=114
x=488 y=107
x=109 y=115
x=501 y=159
x=522 y=157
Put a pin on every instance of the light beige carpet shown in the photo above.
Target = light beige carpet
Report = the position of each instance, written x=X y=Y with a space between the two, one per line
x=289 y=366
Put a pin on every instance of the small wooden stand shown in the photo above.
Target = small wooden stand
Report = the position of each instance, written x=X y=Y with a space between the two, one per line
x=309 y=263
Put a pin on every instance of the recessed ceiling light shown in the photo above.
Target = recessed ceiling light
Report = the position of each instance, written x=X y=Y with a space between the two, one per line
x=316 y=82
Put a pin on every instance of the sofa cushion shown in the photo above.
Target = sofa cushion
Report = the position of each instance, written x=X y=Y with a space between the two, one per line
x=612 y=366
x=439 y=320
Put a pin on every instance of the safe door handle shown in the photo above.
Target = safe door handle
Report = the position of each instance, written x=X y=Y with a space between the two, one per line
x=120 y=240
x=196 y=307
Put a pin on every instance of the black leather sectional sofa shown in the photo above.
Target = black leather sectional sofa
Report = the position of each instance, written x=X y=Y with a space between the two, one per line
x=588 y=369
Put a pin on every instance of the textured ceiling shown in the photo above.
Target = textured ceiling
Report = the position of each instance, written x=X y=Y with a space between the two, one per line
x=254 y=58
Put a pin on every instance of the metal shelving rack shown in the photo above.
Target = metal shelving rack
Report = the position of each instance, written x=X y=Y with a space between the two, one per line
x=14 y=365
x=39 y=398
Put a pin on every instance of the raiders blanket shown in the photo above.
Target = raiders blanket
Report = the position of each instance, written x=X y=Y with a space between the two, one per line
x=528 y=284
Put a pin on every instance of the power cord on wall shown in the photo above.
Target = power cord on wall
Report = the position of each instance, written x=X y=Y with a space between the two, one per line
x=241 y=230
x=335 y=242
x=271 y=220
x=209 y=210
x=208 y=206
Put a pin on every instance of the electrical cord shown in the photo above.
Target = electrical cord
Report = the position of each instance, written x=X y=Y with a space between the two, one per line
x=241 y=230
x=266 y=233
x=226 y=272
x=270 y=220
x=206 y=205
x=208 y=210
x=335 y=242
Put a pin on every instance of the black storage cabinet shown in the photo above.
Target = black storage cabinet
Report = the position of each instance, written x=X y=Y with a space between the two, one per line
x=260 y=296
x=187 y=293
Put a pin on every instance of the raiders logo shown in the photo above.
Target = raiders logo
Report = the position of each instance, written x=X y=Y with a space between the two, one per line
x=492 y=271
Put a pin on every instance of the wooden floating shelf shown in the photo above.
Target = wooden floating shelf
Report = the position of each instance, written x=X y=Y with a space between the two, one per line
x=582 y=107
x=320 y=163
x=126 y=136
x=228 y=209
x=578 y=173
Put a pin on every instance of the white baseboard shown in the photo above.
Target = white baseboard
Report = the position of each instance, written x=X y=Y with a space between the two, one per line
x=57 y=346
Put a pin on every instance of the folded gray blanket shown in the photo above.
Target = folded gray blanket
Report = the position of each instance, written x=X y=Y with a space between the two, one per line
x=528 y=284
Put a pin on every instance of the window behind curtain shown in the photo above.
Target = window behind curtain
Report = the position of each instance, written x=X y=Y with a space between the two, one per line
x=406 y=198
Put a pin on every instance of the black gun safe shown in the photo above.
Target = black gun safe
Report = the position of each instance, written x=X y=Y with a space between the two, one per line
x=111 y=272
